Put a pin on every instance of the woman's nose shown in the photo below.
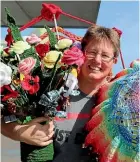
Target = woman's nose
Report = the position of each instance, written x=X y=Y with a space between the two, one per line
x=98 y=58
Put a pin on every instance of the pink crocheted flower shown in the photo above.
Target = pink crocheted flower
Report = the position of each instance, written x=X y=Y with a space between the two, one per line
x=26 y=65
x=73 y=56
x=33 y=39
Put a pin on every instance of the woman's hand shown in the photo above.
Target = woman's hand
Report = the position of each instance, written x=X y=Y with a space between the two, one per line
x=34 y=133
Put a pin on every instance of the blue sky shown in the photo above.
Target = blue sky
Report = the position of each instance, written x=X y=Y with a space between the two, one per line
x=123 y=15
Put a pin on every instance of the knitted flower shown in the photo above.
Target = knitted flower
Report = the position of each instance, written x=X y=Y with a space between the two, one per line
x=5 y=74
x=48 y=10
x=26 y=65
x=77 y=44
x=63 y=43
x=5 y=52
x=73 y=56
x=30 y=84
x=1 y=49
x=9 y=39
x=74 y=72
x=33 y=39
x=50 y=59
x=8 y=93
x=42 y=49
x=71 y=83
x=19 y=47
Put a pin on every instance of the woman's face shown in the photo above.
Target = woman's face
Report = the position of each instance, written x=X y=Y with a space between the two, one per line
x=99 y=60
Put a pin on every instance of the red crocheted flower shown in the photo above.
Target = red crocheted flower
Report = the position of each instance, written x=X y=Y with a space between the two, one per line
x=9 y=39
x=48 y=10
x=6 y=50
x=8 y=93
x=30 y=84
x=42 y=49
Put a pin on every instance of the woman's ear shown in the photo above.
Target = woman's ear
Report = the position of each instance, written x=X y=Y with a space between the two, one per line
x=115 y=60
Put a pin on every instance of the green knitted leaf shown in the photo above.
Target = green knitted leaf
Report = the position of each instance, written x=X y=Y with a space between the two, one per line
x=52 y=37
x=28 y=118
x=13 y=27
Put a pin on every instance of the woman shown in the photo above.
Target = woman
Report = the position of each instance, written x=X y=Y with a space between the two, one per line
x=101 y=47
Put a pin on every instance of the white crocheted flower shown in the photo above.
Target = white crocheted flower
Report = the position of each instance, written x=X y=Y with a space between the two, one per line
x=63 y=43
x=5 y=74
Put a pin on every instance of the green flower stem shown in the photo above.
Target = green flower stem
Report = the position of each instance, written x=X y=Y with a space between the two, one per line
x=53 y=74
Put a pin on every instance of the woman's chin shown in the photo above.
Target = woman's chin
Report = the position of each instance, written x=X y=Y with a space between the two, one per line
x=95 y=76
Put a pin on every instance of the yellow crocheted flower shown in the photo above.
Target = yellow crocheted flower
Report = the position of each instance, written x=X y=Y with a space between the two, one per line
x=50 y=59
x=63 y=43
x=19 y=47
x=21 y=76
x=17 y=81
x=74 y=72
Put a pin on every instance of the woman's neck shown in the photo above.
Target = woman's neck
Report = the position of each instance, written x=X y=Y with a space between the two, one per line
x=90 y=87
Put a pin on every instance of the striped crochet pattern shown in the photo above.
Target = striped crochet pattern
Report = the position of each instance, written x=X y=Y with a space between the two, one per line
x=114 y=127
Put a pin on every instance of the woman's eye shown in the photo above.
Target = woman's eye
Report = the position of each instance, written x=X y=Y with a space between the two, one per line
x=105 y=56
x=93 y=53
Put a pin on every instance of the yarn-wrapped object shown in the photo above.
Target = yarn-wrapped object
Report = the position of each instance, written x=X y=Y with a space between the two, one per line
x=30 y=153
x=114 y=127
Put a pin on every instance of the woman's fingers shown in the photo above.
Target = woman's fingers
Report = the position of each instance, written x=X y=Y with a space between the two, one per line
x=39 y=120
x=46 y=143
x=49 y=127
x=48 y=137
x=37 y=134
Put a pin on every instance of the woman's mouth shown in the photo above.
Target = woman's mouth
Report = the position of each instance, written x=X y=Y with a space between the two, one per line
x=97 y=69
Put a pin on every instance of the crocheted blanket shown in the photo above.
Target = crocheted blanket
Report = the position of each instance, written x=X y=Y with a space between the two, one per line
x=114 y=127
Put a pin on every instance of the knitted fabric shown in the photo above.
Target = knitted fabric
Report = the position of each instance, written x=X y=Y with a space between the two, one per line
x=30 y=153
x=114 y=127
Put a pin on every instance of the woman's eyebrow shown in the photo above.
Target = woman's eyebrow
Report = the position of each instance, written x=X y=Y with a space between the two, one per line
x=104 y=53
x=93 y=50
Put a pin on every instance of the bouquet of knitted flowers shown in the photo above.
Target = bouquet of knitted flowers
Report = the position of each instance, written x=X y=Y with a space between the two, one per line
x=37 y=79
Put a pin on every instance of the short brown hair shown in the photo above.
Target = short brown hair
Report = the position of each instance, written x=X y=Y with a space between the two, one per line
x=99 y=33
